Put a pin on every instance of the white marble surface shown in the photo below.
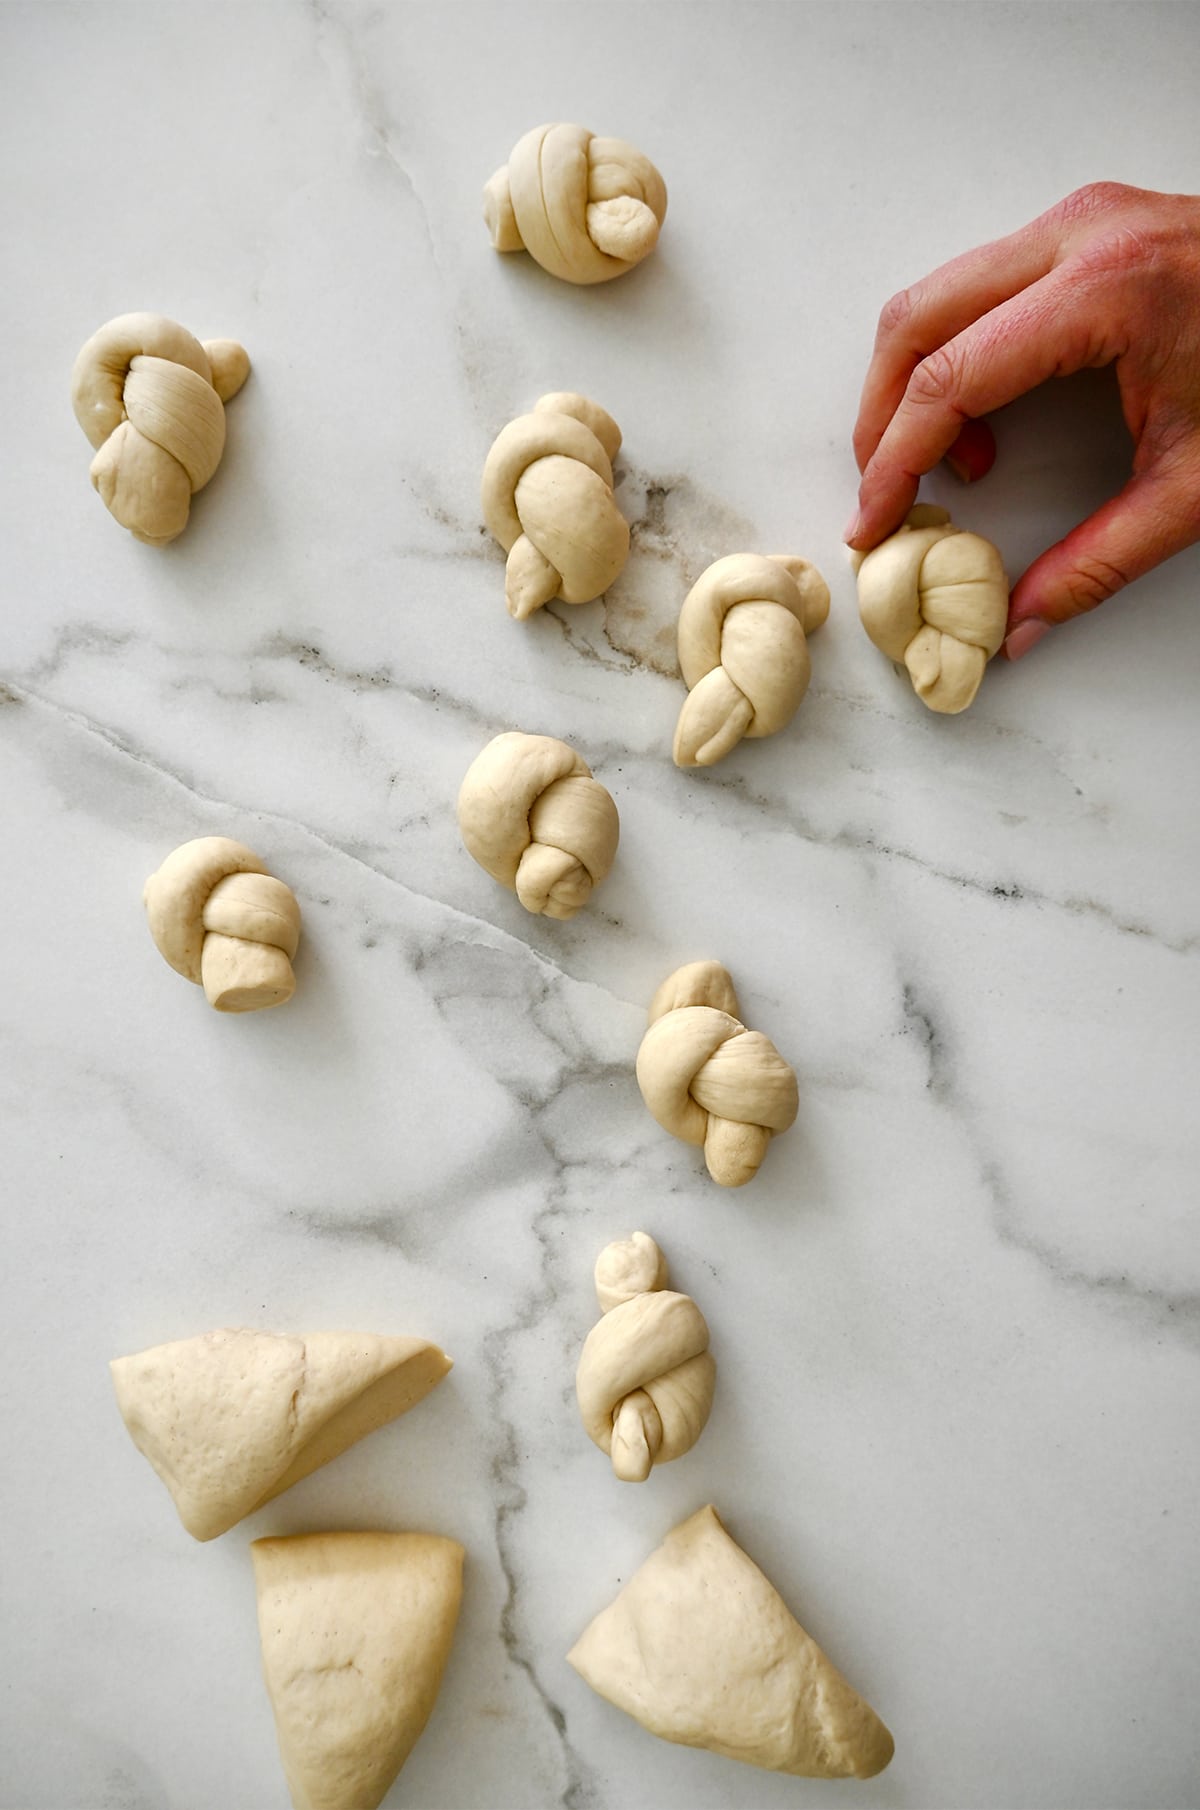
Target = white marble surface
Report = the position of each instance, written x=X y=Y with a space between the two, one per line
x=958 y=1315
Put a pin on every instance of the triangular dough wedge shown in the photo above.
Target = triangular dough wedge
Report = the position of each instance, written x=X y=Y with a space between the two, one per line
x=356 y=1629
x=700 y=1648
x=232 y=1418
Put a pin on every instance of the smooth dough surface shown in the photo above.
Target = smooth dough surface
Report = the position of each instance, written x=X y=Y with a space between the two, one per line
x=743 y=650
x=700 y=1649
x=151 y=399
x=355 y=1629
x=710 y=1081
x=587 y=209
x=548 y=499
x=935 y=598
x=233 y=1418
x=646 y=1377
x=532 y=815
x=222 y=921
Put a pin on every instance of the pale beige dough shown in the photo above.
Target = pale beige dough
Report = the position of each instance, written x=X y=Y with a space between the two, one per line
x=700 y=1649
x=646 y=1376
x=221 y=920
x=586 y=208
x=710 y=1081
x=548 y=499
x=533 y=816
x=232 y=1418
x=355 y=1629
x=151 y=399
x=743 y=650
x=935 y=598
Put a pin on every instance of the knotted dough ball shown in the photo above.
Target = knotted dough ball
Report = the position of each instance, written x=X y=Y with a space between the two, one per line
x=548 y=500
x=221 y=920
x=743 y=649
x=936 y=598
x=151 y=399
x=645 y=1379
x=710 y=1081
x=586 y=209
x=533 y=816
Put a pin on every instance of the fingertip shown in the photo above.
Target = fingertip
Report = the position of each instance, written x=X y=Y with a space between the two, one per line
x=973 y=453
x=1024 y=638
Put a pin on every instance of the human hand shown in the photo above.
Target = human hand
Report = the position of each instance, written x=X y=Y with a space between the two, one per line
x=1111 y=275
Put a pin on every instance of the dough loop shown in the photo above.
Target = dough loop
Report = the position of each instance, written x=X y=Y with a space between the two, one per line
x=645 y=1379
x=710 y=1081
x=533 y=816
x=587 y=209
x=151 y=399
x=935 y=598
x=222 y=921
x=743 y=650
x=548 y=500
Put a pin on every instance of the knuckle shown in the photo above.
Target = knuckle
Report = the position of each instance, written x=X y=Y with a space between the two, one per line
x=1095 y=198
x=1120 y=249
x=1092 y=581
x=936 y=379
x=897 y=313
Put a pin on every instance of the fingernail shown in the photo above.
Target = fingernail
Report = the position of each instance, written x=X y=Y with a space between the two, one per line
x=852 y=526
x=1026 y=635
x=973 y=453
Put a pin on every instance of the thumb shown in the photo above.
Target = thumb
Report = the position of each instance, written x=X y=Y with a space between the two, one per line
x=1155 y=515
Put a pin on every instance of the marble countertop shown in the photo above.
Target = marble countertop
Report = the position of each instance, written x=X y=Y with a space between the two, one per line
x=957 y=1316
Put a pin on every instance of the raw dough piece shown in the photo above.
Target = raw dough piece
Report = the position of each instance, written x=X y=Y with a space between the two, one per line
x=356 y=1629
x=710 y=1081
x=937 y=599
x=220 y=919
x=548 y=499
x=700 y=1649
x=533 y=816
x=231 y=1419
x=744 y=652
x=151 y=399
x=645 y=1378
x=587 y=209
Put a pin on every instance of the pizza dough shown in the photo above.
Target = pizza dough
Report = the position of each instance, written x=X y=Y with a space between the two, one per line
x=935 y=598
x=533 y=816
x=710 y=1081
x=548 y=500
x=645 y=1378
x=743 y=650
x=231 y=1419
x=586 y=208
x=219 y=919
x=151 y=399
x=356 y=1629
x=700 y=1649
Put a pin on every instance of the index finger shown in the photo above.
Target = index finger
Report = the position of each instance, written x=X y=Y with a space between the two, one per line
x=1053 y=327
x=916 y=321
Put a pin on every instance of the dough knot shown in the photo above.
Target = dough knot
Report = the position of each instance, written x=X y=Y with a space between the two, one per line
x=646 y=1377
x=587 y=209
x=222 y=921
x=548 y=499
x=743 y=649
x=710 y=1081
x=533 y=816
x=151 y=399
x=935 y=598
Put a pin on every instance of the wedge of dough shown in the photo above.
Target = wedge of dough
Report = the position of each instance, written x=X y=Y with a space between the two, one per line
x=700 y=1649
x=233 y=1418
x=356 y=1629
